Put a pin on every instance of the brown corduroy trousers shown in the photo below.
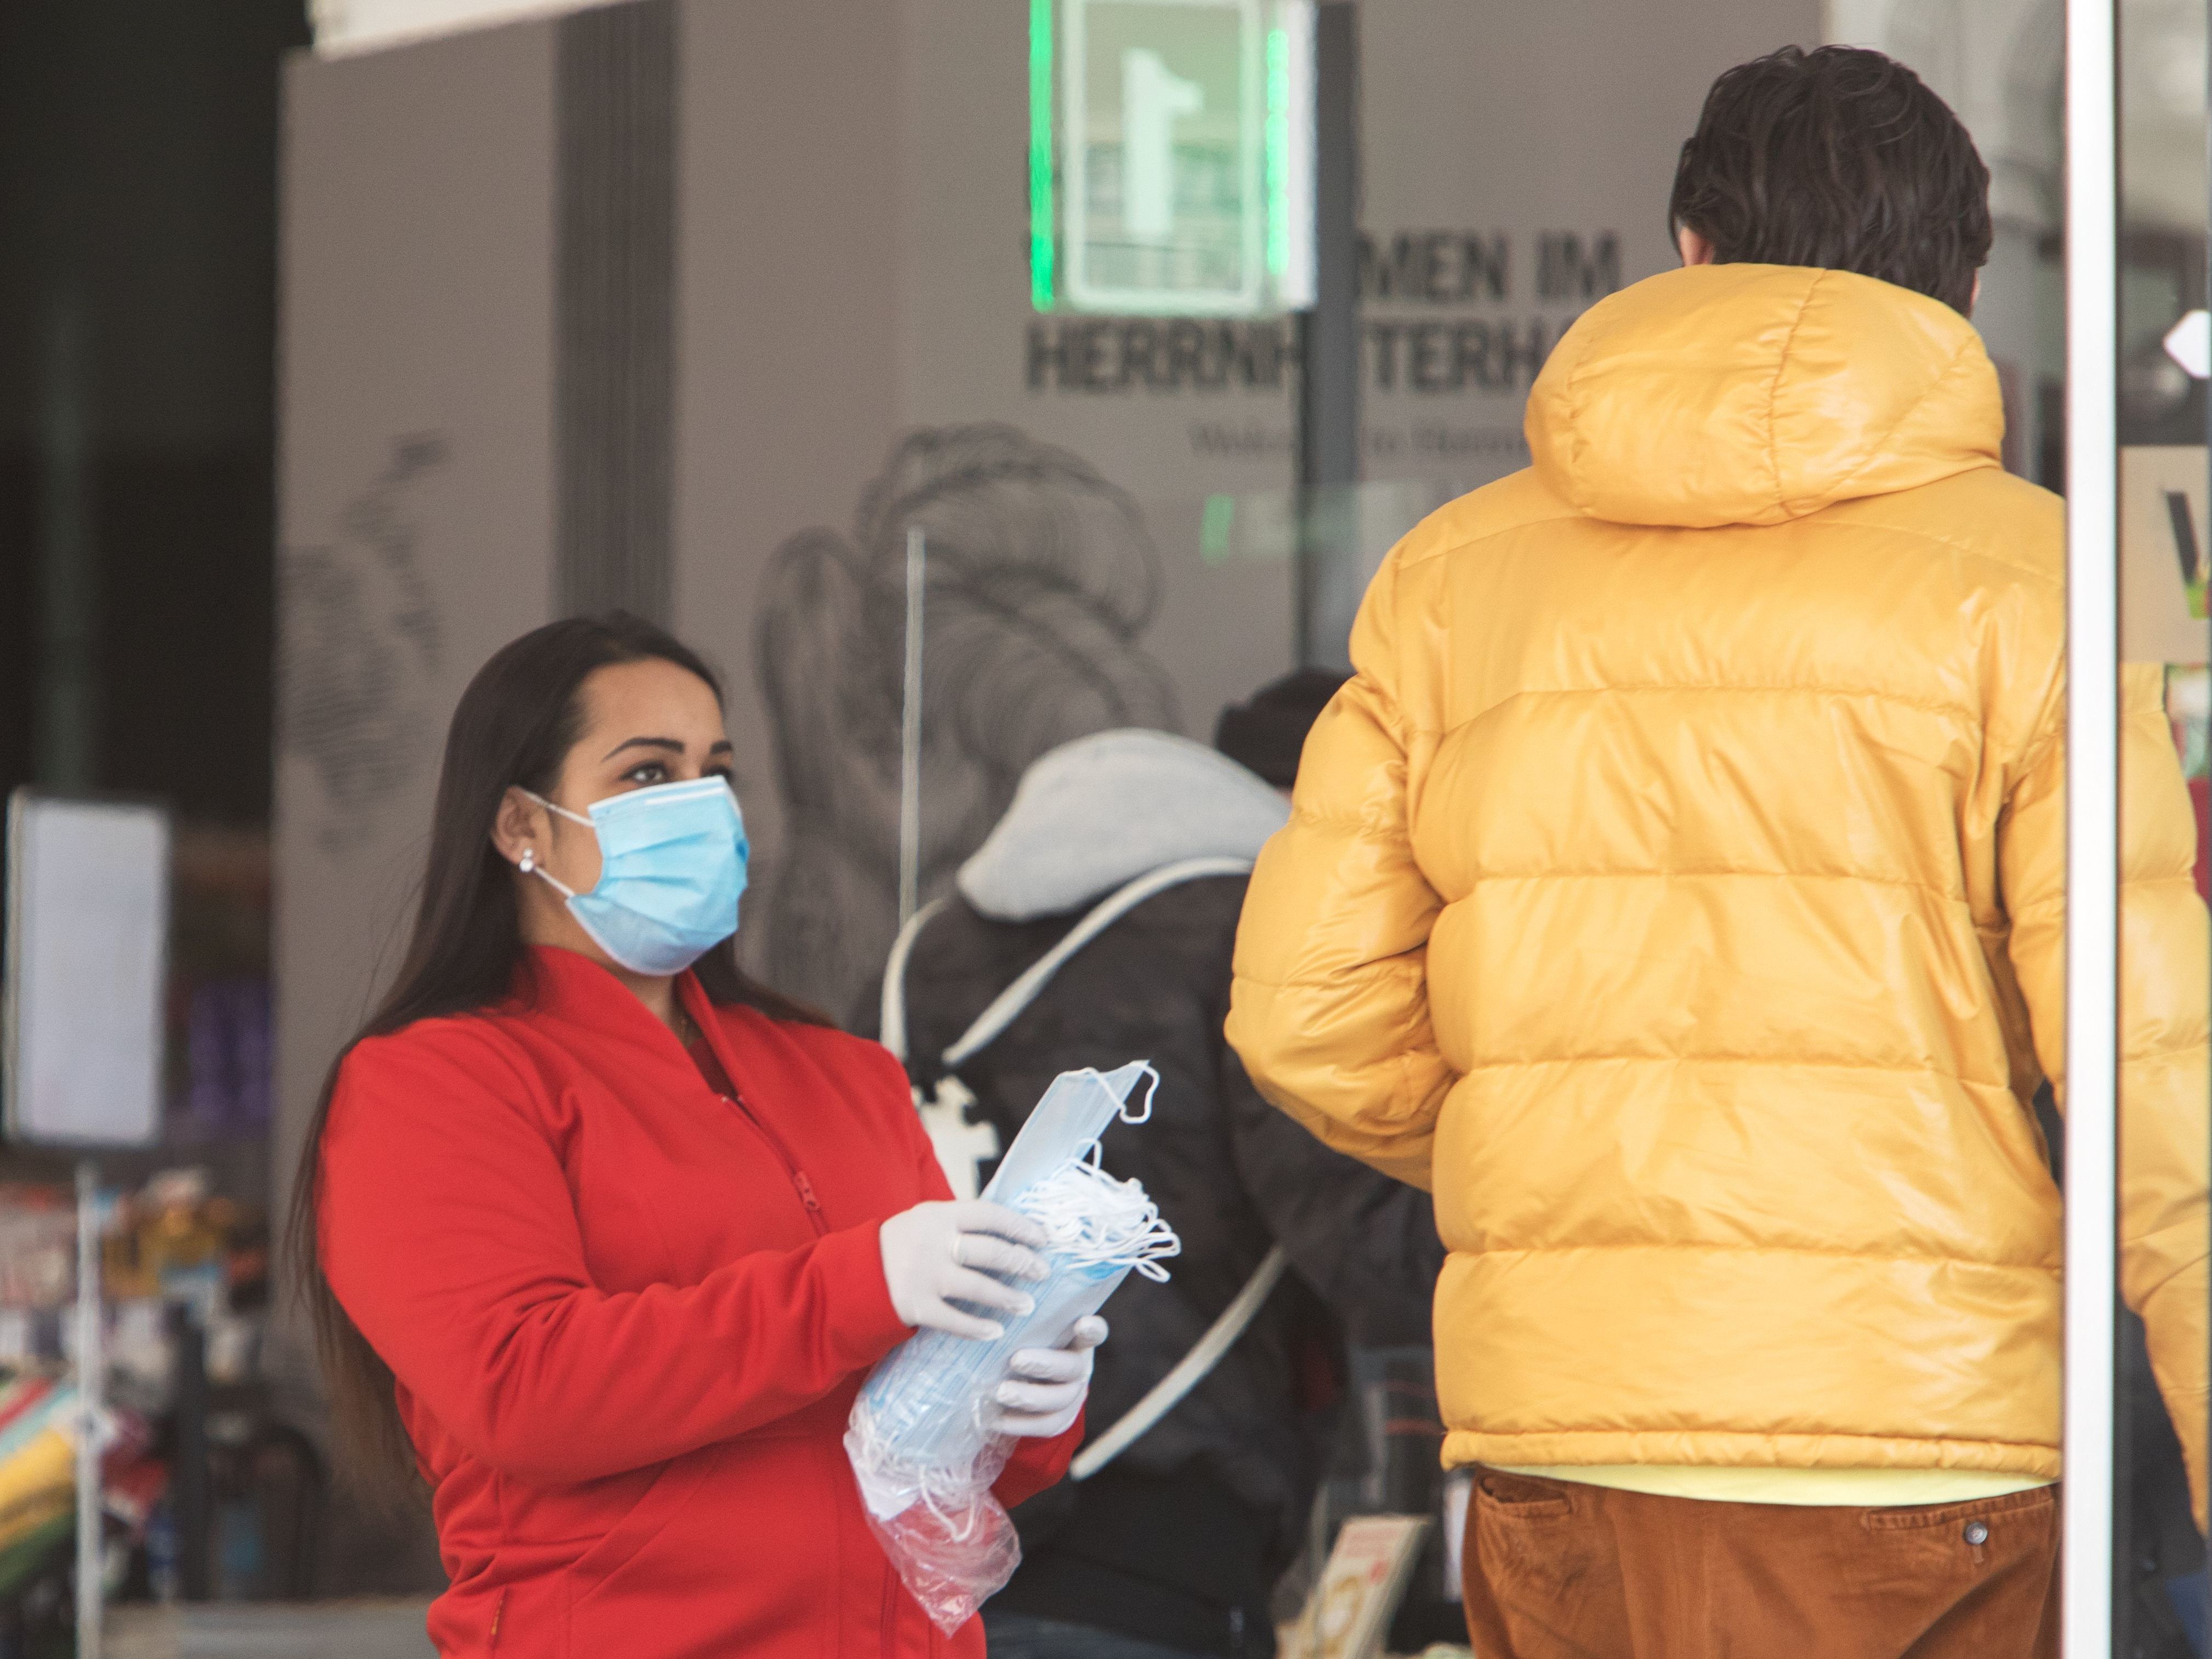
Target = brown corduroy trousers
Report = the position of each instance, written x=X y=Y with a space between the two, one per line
x=1558 y=1570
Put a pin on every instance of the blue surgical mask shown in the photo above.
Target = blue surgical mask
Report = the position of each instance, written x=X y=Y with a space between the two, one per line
x=671 y=867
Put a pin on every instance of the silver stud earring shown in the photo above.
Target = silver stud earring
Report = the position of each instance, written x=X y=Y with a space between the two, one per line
x=529 y=862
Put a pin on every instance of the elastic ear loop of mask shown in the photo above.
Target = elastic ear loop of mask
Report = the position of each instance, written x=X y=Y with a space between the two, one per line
x=552 y=880
x=1152 y=1088
x=1092 y=1220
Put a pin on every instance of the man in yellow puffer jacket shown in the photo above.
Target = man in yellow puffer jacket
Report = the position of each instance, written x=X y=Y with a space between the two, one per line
x=1677 y=891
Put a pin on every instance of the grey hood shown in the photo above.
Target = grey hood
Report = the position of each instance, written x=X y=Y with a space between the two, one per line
x=1095 y=814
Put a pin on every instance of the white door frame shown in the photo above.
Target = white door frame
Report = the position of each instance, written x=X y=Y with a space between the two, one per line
x=2092 y=820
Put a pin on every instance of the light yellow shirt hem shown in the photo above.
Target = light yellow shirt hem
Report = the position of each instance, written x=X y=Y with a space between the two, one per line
x=1873 y=1489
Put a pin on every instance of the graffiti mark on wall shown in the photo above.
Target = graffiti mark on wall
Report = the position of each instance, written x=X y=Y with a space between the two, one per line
x=359 y=646
x=1042 y=580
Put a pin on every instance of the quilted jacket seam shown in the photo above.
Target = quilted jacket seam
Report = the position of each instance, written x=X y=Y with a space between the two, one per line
x=1903 y=700
x=1765 y=1247
x=1364 y=818
x=2172 y=878
x=1575 y=425
x=1810 y=521
x=1885 y=445
x=2172 y=1051
x=2040 y=744
x=1678 y=873
x=2052 y=579
x=2182 y=1265
x=1774 y=392
x=1757 y=1434
x=2132 y=884
x=1793 y=1063
x=1420 y=555
x=1407 y=1090
x=2049 y=578
x=1295 y=982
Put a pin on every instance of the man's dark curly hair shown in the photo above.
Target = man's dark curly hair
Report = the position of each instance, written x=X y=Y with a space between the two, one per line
x=1839 y=158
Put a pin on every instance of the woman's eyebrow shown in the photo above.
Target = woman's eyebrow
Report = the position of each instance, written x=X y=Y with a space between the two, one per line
x=669 y=744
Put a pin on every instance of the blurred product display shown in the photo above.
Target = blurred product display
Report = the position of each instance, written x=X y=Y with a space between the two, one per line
x=1350 y=1607
x=1384 y=1465
x=205 y=1494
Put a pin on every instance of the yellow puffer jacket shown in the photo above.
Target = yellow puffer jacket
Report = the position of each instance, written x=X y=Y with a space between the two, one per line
x=1677 y=889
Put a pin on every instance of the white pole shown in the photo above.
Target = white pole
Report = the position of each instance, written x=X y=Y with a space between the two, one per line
x=909 y=889
x=90 y=1374
x=2092 y=820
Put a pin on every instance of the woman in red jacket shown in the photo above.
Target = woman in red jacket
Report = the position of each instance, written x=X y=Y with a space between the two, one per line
x=601 y=1236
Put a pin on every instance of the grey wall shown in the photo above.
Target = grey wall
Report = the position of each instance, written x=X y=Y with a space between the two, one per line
x=788 y=317
x=416 y=498
x=1528 y=122
x=416 y=515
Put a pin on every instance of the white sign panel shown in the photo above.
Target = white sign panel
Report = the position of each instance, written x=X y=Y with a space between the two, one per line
x=86 y=970
x=2165 y=533
x=345 y=26
x=1184 y=149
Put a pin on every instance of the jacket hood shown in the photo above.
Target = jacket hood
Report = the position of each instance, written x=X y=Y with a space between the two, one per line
x=1755 y=394
x=1098 y=813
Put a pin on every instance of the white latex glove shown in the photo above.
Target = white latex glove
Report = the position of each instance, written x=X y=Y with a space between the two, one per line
x=935 y=1255
x=1045 y=1387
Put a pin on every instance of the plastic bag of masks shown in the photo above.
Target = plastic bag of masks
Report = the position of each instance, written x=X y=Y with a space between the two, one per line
x=920 y=1436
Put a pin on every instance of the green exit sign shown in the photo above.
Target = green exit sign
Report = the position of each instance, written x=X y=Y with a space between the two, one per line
x=1171 y=156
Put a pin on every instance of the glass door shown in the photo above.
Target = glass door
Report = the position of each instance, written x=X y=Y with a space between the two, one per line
x=2135 y=1139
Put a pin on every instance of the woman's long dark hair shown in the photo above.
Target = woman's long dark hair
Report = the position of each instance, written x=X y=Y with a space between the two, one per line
x=515 y=724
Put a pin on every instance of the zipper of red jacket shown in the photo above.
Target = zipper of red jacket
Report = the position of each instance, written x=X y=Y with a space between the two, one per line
x=798 y=1181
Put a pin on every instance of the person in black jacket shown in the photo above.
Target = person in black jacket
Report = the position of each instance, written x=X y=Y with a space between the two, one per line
x=1175 y=1547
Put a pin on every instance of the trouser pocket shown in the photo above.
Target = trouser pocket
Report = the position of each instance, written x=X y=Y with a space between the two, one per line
x=1542 y=1576
x=1955 y=1580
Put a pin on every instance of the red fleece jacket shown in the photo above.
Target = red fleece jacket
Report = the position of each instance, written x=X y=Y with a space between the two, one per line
x=628 y=1311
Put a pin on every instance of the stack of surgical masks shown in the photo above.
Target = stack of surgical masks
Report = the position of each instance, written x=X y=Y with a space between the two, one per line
x=921 y=1437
